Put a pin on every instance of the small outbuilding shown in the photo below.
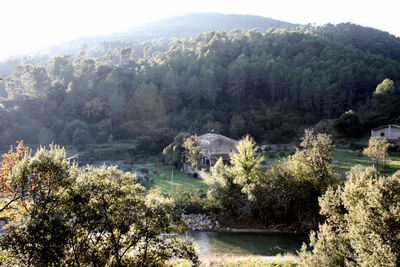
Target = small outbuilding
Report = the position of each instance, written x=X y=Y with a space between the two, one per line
x=390 y=132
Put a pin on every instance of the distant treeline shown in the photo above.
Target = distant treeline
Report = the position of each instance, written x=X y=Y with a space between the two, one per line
x=268 y=85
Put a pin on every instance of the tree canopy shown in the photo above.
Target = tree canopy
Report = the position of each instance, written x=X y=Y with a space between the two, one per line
x=89 y=216
x=362 y=223
x=245 y=82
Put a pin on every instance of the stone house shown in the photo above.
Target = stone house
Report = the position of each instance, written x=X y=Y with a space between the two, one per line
x=213 y=147
x=390 y=132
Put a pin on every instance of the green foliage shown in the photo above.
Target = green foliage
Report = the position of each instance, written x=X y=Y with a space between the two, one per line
x=224 y=194
x=348 y=124
x=293 y=185
x=284 y=79
x=345 y=160
x=94 y=110
x=146 y=110
x=362 y=223
x=385 y=101
x=91 y=216
x=80 y=139
x=192 y=150
x=173 y=152
x=189 y=202
x=289 y=194
x=315 y=157
x=286 y=192
x=377 y=150
x=237 y=126
x=40 y=234
x=182 y=182
x=246 y=166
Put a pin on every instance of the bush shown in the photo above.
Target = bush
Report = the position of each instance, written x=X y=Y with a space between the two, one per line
x=69 y=206
x=122 y=131
x=57 y=127
x=146 y=145
x=66 y=135
x=271 y=154
x=101 y=138
x=190 y=203
x=362 y=223
x=354 y=146
x=142 y=178
x=80 y=139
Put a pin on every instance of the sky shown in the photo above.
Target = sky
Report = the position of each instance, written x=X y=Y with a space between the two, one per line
x=27 y=25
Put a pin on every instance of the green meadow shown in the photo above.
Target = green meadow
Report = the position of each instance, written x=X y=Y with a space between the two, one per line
x=173 y=180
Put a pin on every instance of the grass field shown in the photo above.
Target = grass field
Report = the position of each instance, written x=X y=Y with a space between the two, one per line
x=181 y=182
x=344 y=160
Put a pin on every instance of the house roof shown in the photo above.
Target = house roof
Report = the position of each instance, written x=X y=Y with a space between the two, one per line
x=216 y=144
x=387 y=126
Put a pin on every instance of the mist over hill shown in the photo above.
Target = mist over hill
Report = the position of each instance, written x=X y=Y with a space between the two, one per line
x=185 y=26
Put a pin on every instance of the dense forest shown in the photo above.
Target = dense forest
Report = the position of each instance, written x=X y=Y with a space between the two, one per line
x=269 y=84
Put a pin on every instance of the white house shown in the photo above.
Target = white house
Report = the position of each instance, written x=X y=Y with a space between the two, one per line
x=391 y=131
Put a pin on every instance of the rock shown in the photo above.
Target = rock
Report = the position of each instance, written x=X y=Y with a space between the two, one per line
x=200 y=222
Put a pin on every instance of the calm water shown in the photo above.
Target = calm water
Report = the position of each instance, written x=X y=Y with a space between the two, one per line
x=243 y=243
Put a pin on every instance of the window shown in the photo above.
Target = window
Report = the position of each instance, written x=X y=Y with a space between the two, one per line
x=382 y=134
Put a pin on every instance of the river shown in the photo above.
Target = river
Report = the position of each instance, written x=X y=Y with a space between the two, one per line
x=271 y=244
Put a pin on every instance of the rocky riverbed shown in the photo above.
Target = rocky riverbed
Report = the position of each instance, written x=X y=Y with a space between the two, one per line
x=201 y=222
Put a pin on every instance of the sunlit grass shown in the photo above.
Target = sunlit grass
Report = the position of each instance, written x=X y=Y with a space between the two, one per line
x=180 y=182
x=343 y=161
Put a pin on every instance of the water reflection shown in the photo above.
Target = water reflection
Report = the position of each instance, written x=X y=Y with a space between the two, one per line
x=245 y=243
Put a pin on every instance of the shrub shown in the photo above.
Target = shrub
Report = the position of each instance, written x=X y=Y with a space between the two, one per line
x=80 y=139
x=101 y=138
x=90 y=217
x=362 y=223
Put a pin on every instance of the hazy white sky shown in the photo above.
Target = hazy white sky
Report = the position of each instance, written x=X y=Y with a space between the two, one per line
x=27 y=25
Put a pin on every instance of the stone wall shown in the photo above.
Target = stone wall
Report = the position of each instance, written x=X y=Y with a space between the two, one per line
x=190 y=170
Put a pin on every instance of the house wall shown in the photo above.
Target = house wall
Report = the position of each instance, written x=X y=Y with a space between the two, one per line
x=190 y=170
x=393 y=134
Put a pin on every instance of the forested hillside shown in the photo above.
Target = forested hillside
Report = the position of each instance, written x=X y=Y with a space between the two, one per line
x=185 y=26
x=268 y=84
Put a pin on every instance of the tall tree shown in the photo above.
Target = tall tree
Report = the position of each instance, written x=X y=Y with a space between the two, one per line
x=146 y=109
x=192 y=150
x=377 y=150
x=246 y=166
x=315 y=156
x=385 y=101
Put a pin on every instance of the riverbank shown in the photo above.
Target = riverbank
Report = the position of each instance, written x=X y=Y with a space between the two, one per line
x=240 y=261
x=249 y=260
x=203 y=222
